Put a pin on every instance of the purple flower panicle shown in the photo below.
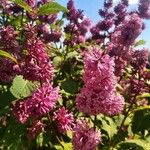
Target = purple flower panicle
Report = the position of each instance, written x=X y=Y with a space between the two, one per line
x=84 y=137
x=64 y=120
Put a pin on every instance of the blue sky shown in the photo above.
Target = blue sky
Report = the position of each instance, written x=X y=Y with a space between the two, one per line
x=91 y=8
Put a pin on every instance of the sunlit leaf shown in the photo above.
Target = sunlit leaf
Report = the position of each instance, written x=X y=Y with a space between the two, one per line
x=21 y=88
x=5 y=54
x=23 y=4
x=139 y=43
x=51 y=8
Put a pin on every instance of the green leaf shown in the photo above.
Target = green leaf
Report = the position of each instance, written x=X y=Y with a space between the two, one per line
x=109 y=126
x=141 y=120
x=135 y=144
x=70 y=86
x=64 y=146
x=6 y=96
x=21 y=88
x=57 y=61
x=51 y=8
x=23 y=4
x=12 y=135
x=139 y=43
x=4 y=111
x=5 y=54
x=71 y=55
x=39 y=140
x=144 y=95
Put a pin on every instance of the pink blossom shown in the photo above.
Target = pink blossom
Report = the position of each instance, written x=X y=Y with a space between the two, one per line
x=7 y=70
x=84 y=137
x=98 y=94
x=43 y=100
x=36 y=128
x=31 y=2
x=36 y=65
x=140 y=59
x=144 y=9
x=20 y=111
x=128 y=31
x=64 y=120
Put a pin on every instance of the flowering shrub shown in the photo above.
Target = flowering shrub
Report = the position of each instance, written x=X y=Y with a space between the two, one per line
x=66 y=83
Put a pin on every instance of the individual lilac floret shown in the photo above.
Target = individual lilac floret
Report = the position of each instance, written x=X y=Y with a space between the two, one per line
x=43 y=100
x=144 y=9
x=64 y=120
x=84 y=137
x=20 y=111
x=36 y=128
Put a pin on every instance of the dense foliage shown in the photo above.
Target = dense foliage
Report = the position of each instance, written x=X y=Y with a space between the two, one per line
x=67 y=83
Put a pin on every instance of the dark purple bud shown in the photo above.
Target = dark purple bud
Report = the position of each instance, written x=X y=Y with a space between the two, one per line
x=120 y=8
x=53 y=37
x=144 y=9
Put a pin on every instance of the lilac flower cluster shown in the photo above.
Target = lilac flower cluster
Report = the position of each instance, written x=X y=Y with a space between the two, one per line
x=8 y=39
x=120 y=12
x=139 y=59
x=144 y=9
x=98 y=94
x=41 y=102
x=112 y=41
x=8 y=43
x=104 y=25
x=46 y=32
x=84 y=137
x=36 y=128
x=36 y=65
x=122 y=38
x=64 y=120
x=20 y=111
x=128 y=31
x=31 y=3
x=78 y=25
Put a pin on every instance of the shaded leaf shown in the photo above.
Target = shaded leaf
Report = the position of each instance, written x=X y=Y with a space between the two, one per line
x=141 y=120
x=4 y=111
x=135 y=144
x=12 y=135
x=6 y=96
x=70 y=86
